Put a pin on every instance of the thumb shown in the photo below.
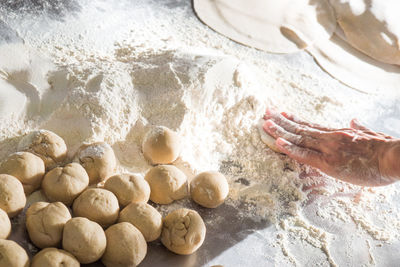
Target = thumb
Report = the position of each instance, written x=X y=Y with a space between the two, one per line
x=355 y=124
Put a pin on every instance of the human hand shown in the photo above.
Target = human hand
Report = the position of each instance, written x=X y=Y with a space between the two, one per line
x=356 y=155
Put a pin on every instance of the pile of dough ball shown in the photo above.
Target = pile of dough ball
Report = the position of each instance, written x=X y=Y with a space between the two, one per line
x=111 y=218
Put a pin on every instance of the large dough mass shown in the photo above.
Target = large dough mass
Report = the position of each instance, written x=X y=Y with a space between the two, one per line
x=282 y=26
x=371 y=26
x=353 y=67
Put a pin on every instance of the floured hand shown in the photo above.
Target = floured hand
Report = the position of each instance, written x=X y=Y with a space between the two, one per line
x=356 y=155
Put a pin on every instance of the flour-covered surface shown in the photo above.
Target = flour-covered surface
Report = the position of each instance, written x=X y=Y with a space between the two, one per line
x=109 y=70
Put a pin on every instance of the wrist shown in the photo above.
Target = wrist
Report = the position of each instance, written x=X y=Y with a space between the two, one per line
x=389 y=162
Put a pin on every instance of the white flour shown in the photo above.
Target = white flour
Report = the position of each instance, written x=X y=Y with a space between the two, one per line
x=167 y=72
x=94 y=151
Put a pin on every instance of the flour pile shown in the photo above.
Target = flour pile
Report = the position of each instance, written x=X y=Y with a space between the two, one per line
x=156 y=75
x=213 y=101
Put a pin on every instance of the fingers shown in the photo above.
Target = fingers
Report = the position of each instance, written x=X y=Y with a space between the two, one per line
x=291 y=126
x=277 y=131
x=300 y=154
x=297 y=120
x=355 y=124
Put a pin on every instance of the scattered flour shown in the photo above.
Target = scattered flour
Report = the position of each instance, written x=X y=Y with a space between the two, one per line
x=174 y=72
x=94 y=151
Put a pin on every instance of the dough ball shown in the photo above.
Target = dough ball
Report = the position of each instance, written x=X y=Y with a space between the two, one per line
x=53 y=257
x=47 y=145
x=64 y=184
x=99 y=205
x=26 y=167
x=12 y=197
x=128 y=188
x=183 y=231
x=5 y=225
x=209 y=189
x=145 y=218
x=125 y=246
x=167 y=183
x=161 y=145
x=36 y=196
x=12 y=254
x=45 y=223
x=372 y=28
x=85 y=239
x=98 y=159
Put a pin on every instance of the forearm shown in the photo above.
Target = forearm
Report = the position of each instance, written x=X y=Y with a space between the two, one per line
x=390 y=160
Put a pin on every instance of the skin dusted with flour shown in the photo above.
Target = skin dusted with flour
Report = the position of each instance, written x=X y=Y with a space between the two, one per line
x=356 y=155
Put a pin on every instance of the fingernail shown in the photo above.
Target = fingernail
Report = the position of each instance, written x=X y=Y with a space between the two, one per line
x=282 y=142
x=270 y=111
x=285 y=114
x=268 y=124
x=265 y=126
